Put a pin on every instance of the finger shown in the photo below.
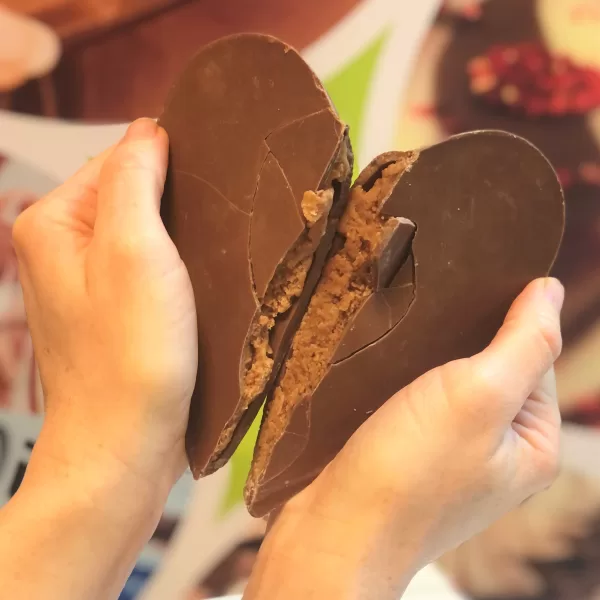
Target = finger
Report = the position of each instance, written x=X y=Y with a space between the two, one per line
x=526 y=346
x=131 y=182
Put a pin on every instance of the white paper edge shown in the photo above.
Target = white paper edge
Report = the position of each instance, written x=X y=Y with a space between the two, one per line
x=392 y=74
x=349 y=37
x=55 y=147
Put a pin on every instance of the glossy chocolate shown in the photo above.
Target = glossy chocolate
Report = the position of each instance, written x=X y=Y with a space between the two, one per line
x=489 y=217
x=251 y=131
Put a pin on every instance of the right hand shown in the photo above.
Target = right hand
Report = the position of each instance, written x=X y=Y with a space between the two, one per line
x=438 y=463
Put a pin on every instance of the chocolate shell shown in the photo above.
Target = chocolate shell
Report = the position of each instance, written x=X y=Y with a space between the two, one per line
x=259 y=172
x=489 y=216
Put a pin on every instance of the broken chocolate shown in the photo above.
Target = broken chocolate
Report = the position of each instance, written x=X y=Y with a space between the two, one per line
x=258 y=178
x=489 y=216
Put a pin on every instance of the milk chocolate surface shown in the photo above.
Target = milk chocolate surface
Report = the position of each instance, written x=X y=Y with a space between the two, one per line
x=488 y=216
x=258 y=175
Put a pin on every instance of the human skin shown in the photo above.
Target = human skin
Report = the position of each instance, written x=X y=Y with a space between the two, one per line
x=438 y=463
x=111 y=312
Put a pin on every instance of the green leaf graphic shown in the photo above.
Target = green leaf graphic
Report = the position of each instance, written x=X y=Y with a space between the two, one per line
x=349 y=88
x=239 y=469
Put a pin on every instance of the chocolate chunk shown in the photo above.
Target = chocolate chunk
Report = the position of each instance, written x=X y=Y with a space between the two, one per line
x=394 y=253
x=253 y=135
x=489 y=213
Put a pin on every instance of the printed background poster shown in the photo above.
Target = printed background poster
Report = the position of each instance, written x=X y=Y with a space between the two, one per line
x=532 y=67
x=403 y=74
x=72 y=74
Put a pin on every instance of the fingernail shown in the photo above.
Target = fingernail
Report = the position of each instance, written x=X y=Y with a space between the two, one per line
x=554 y=292
x=142 y=129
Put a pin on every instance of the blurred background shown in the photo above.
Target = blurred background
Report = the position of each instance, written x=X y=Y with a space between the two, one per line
x=402 y=74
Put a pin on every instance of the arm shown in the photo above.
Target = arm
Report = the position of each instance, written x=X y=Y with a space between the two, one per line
x=112 y=317
x=73 y=533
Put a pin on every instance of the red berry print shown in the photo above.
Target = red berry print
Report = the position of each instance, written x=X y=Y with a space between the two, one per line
x=528 y=80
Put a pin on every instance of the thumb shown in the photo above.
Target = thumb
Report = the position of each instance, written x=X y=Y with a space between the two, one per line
x=131 y=184
x=525 y=348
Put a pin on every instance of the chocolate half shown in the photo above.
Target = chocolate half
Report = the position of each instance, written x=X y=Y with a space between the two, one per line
x=488 y=215
x=259 y=173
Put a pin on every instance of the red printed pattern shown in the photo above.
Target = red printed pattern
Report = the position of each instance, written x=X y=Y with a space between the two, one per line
x=16 y=353
x=527 y=79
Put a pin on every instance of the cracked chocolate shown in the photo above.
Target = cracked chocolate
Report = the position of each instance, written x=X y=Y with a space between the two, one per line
x=483 y=216
x=259 y=173
x=326 y=300
x=349 y=279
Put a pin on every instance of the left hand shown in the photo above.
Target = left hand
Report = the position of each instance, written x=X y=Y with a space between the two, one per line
x=112 y=316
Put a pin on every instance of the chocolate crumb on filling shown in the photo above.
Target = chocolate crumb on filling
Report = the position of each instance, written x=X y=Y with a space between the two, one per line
x=346 y=284
x=284 y=288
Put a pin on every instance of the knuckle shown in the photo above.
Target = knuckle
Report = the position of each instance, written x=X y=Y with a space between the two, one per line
x=26 y=228
x=550 y=338
x=471 y=392
x=487 y=384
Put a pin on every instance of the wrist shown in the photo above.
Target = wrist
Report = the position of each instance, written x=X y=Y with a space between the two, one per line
x=98 y=482
x=131 y=447
x=90 y=525
x=324 y=546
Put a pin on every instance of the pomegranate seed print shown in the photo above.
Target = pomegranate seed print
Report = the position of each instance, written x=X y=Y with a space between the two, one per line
x=527 y=79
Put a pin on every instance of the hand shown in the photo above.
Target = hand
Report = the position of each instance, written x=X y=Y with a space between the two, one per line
x=111 y=312
x=439 y=462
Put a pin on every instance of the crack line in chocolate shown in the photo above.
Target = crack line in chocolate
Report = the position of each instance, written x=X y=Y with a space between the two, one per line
x=393 y=325
x=297 y=120
x=274 y=157
x=250 y=228
x=389 y=317
x=303 y=408
x=212 y=187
